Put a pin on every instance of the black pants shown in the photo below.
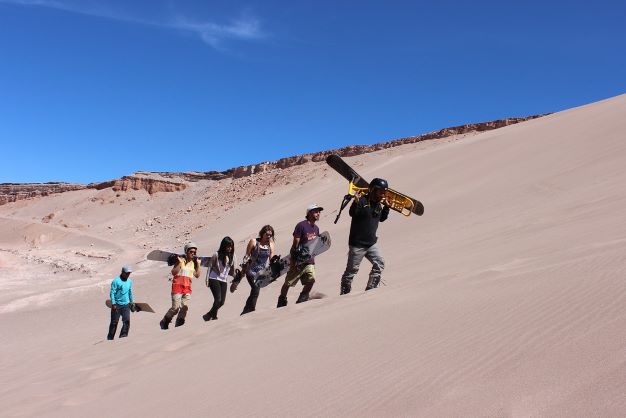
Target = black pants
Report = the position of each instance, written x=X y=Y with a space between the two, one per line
x=124 y=312
x=254 y=295
x=218 y=289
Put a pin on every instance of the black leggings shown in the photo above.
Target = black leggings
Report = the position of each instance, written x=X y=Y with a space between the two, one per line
x=254 y=295
x=218 y=289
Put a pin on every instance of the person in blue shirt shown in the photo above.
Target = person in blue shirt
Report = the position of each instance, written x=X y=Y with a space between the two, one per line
x=122 y=302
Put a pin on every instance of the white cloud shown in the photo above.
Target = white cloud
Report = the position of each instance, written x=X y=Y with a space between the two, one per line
x=245 y=28
x=213 y=34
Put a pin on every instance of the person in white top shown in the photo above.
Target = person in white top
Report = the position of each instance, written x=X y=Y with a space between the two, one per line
x=222 y=265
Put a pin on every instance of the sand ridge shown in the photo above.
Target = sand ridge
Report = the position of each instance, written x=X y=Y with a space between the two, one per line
x=506 y=298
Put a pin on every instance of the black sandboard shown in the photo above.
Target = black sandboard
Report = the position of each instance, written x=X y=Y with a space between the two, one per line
x=346 y=171
x=341 y=167
x=271 y=273
x=160 y=255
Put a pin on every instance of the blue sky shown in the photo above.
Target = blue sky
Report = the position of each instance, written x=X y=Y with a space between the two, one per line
x=94 y=90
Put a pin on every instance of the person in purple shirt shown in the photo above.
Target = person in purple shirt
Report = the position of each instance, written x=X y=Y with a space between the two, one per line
x=303 y=272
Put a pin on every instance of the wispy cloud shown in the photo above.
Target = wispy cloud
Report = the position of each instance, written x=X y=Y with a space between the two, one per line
x=244 y=28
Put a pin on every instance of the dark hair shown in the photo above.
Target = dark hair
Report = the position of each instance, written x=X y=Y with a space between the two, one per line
x=265 y=229
x=221 y=253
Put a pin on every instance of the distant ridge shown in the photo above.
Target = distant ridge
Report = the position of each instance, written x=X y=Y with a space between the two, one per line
x=12 y=192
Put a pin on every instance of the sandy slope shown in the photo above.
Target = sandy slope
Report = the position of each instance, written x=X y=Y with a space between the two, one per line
x=507 y=298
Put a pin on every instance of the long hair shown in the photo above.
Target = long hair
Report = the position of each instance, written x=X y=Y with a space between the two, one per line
x=267 y=228
x=222 y=253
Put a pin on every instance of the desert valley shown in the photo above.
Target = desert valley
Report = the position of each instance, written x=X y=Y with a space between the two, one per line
x=506 y=298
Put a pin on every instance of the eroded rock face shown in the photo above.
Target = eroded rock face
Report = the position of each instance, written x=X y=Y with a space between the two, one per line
x=11 y=192
x=140 y=183
x=349 y=151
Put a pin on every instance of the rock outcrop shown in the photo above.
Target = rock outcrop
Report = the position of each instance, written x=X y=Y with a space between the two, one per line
x=244 y=171
x=140 y=183
x=11 y=192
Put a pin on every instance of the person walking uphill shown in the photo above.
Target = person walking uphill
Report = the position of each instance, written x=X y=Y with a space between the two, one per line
x=304 y=271
x=221 y=266
x=186 y=269
x=258 y=254
x=122 y=302
x=366 y=212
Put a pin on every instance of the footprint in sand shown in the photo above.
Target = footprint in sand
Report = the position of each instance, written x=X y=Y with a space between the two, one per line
x=102 y=372
x=152 y=357
x=176 y=345
x=317 y=295
x=85 y=397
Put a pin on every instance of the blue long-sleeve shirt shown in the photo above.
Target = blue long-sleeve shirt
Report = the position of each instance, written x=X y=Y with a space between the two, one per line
x=121 y=291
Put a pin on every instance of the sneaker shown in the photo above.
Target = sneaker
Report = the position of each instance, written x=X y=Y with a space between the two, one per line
x=373 y=283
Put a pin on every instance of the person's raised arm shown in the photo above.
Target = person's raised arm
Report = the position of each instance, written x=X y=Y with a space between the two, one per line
x=356 y=206
x=384 y=214
x=177 y=267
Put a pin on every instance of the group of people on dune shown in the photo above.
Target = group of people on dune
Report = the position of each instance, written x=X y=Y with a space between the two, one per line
x=366 y=211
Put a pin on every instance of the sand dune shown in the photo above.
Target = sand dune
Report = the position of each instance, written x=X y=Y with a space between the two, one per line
x=507 y=298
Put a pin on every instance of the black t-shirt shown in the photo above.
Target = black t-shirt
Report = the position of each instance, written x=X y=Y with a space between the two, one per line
x=365 y=217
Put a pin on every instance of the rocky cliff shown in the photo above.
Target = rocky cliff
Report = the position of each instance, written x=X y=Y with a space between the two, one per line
x=140 y=183
x=283 y=163
x=11 y=192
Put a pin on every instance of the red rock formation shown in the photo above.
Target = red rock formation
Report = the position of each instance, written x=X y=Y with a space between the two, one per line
x=244 y=171
x=11 y=192
x=140 y=183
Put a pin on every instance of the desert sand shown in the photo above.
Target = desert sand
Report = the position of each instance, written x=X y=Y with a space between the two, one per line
x=507 y=298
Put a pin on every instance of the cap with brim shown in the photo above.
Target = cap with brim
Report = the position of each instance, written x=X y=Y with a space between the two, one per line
x=313 y=207
x=127 y=269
